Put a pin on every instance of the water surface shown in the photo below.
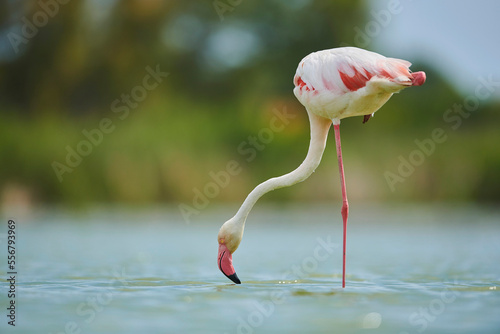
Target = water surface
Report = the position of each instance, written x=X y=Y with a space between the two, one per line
x=410 y=269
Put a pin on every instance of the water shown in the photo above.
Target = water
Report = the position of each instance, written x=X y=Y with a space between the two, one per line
x=411 y=269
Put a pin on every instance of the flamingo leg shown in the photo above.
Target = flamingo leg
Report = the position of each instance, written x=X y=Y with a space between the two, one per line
x=345 y=204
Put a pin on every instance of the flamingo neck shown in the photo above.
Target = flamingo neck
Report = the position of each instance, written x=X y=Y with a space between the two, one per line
x=319 y=134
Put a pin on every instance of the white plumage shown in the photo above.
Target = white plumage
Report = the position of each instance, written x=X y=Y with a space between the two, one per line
x=345 y=82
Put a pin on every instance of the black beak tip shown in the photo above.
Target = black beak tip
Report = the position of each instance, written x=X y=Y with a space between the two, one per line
x=234 y=278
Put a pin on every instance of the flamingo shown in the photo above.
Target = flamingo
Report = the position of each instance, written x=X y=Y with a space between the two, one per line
x=331 y=84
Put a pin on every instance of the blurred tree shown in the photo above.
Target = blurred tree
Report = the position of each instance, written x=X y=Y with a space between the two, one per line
x=81 y=59
x=230 y=64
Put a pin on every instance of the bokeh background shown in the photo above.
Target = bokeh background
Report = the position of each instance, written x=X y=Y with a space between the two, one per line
x=65 y=66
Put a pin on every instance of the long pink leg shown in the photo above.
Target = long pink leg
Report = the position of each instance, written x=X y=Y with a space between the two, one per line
x=345 y=204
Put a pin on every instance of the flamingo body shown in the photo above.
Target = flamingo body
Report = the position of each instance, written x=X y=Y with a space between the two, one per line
x=345 y=82
x=332 y=85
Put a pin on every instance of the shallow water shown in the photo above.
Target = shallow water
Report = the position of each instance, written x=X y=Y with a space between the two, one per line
x=411 y=269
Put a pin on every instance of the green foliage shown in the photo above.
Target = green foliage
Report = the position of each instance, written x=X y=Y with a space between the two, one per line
x=66 y=78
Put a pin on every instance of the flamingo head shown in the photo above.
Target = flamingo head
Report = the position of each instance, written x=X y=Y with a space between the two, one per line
x=228 y=243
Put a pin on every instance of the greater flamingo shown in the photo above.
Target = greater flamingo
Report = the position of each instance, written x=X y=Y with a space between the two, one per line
x=332 y=85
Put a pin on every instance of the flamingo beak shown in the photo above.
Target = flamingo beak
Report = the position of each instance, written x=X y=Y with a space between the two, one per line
x=418 y=78
x=225 y=263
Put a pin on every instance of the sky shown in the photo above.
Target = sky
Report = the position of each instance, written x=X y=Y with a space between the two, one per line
x=461 y=37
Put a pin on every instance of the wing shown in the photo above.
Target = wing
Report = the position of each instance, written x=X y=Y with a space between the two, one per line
x=344 y=70
x=345 y=82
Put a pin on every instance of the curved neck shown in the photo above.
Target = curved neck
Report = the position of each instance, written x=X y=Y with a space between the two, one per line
x=319 y=133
